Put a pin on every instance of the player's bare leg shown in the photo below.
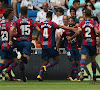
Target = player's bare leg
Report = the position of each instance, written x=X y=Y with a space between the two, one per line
x=93 y=65
x=82 y=65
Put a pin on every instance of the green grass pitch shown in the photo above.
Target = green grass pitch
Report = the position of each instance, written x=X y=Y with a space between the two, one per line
x=49 y=85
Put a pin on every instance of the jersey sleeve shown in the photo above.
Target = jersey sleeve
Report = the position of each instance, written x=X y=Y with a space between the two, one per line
x=15 y=24
x=55 y=25
x=95 y=25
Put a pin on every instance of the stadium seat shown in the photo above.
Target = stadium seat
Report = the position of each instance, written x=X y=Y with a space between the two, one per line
x=18 y=8
x=9 y=3
x=38 y=46
x=32 y=14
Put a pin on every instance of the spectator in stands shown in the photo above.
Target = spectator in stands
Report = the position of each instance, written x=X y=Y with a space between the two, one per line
x=41 y=15
x=76 y=5
x=93 y=2
x=59 y=3
x=37 y=4
x=70 y=3
x=2 y=10
x=58 y=19
x=83 y=11
x=90 y=6
x=81 y=19
x=73 y=14
x=27 y=3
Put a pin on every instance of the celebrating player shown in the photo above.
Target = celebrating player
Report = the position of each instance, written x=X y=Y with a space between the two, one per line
x=24 y=28
x=71 y=47
x=48 y=43
x=6 y=49
x=89 y=28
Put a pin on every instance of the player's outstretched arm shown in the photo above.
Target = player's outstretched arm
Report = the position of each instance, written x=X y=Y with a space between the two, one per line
x=68 y=28
x=11 y=34
x=97 y=31
x=58 y=44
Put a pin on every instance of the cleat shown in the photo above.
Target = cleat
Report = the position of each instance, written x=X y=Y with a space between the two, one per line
x=79 y=80
x=81 y=75
x=5 y=74
x=24 y=79
x=71 y=79
x=39 y=78
x=94 y=77
x=13 y=79
x=44 y=70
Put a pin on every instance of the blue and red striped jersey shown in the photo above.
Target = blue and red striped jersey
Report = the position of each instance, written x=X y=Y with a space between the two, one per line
x=48 y=34
x=72 y=44
x=24 y=28
x=4 y=34
x=89 y=36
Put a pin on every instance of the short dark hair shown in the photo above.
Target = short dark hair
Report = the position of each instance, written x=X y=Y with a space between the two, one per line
x=49 y=14
x=7 y=13
x=72 y=8
x=60 y=9
x=24 y=10
x=76 y=1
x=72 y=18
x=88 y=13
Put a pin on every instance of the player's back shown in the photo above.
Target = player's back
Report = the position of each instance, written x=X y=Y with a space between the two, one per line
x=48 y=34
x=24 y=28
x=4 y=33
x=89 y=35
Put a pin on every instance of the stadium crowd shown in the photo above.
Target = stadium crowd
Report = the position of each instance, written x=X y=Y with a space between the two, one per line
x=66 y=14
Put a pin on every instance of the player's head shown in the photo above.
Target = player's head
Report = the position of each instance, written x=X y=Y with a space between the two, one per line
x=71 y=21
x=49 y=15
x=87 y=13
x=24 y=11
x=65 y=20
x=45 y=6
x=76 y=3
x=73 y=11
x=8 y=14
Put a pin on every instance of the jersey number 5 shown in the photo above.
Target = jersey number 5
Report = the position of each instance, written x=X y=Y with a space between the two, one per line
x=25 y=29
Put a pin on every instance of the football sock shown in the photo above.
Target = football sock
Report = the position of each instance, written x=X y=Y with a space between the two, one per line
x=82 y=64
x=11 y=66
x=94 y=67
x=1 y=67
x=22 y=68
x=41 y=70
x=8 y=62
x=51 y=64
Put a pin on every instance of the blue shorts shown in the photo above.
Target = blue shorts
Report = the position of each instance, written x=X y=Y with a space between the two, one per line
x=49 y=53
x=73 y=55
x=10 y=54
x=90 y=50
x=24 y=47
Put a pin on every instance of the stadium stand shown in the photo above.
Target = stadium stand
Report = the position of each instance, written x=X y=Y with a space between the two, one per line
x=18 y=8
x=9 y=3
x=32 y=14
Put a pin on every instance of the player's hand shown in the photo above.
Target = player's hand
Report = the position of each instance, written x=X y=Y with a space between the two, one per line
x=10 y=43
x=69 y=38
